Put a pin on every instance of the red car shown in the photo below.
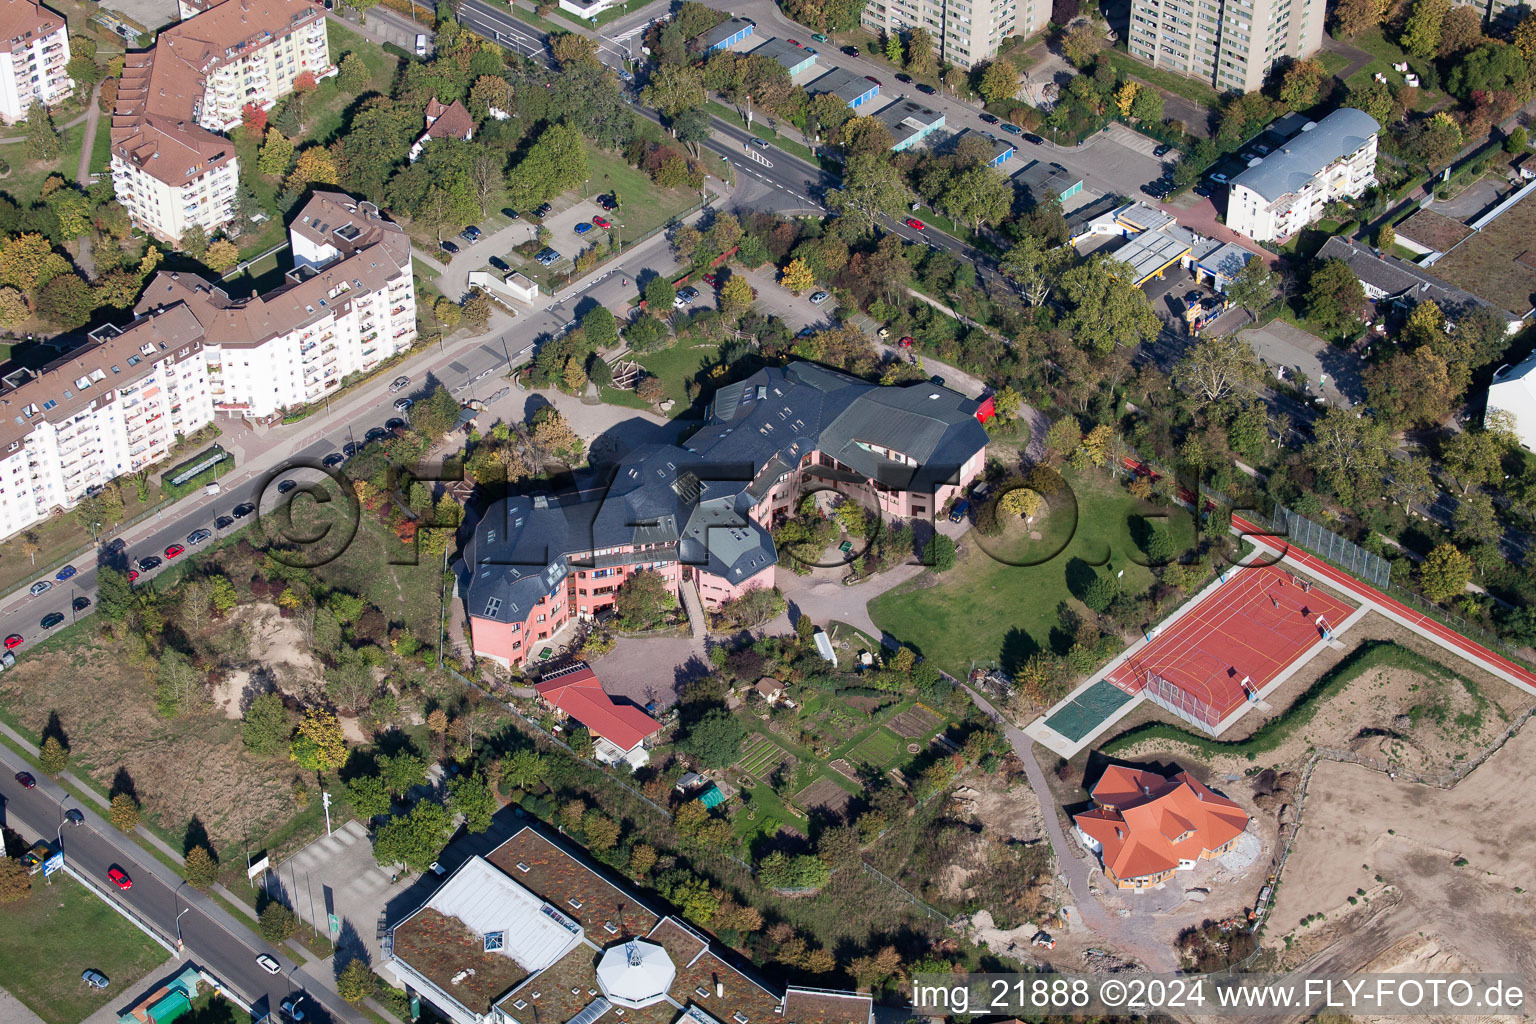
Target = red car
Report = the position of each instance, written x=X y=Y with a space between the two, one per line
x=710 y=279
x=915 y=224
x=795 y=42
x=13 y=641
x=174 y=550
x=119 y=878
x=905 y=342
x=601 y=222
x=133 y=574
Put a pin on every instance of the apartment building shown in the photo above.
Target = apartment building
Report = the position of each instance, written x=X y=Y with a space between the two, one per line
x=110 y=408
x=34 y=47
x=116 y=405
x=1232 y=44
x=699 y=513
x=1283 y=192
x=965 y=32
x=348 y=304
x=171 y=167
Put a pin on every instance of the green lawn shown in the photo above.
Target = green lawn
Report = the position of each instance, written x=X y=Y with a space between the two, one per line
x=880 y=748
x=59 y=931
x=994 y=605
x=642 y=206
x=25 y=182
x=1384 y=53
x=676 y=365
x=1190 y=88
x=761 y=130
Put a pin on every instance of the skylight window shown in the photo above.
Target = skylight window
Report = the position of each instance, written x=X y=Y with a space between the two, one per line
x=494 y=941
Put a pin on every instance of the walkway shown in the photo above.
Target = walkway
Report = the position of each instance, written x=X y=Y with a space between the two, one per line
x=1117 y=931
x=92 y=120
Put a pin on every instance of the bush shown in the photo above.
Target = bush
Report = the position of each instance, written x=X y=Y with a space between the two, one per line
x=124 y=812
x=277 y=923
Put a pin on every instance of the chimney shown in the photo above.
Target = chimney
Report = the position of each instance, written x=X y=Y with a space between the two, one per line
x=1146 y=790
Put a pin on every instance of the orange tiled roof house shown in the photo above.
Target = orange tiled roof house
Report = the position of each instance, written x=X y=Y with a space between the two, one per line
x=1145 y=826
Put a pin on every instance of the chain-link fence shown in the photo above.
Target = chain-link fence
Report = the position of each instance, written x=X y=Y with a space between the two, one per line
x=1347 y=555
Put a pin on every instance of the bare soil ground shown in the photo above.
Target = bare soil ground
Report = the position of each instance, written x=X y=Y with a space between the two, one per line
x=1423 y=724
x=280 y=659
x=823 y=794
x=915 y=721
x=1451 y=865
x=179 y=768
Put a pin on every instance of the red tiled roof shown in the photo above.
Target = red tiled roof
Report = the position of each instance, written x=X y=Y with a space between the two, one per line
x=448 y=121
x=1148 y=834
x=580 y=694
x=23 y=23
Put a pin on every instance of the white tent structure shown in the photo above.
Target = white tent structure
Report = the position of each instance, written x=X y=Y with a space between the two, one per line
x=635 y=973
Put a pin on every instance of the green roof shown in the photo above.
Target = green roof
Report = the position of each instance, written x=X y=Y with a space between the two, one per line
x=711 y=796
x=169 y=1008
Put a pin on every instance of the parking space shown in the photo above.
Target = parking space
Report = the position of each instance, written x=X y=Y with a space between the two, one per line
x=152 y=14
x=335 y=879
x=1327 y=373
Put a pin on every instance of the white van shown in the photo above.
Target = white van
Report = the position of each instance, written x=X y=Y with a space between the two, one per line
x=421 y=46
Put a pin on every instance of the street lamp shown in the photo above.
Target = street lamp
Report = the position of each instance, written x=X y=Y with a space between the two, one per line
x=176 y=895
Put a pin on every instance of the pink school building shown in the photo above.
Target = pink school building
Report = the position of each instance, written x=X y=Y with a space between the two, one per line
x=700 y=513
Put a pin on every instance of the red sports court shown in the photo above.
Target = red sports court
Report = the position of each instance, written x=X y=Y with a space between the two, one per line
x=1232 y=644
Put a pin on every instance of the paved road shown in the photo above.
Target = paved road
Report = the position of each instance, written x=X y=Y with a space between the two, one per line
x=214 y=939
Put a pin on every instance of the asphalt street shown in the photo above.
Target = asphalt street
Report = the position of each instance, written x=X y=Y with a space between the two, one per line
x=213 y=938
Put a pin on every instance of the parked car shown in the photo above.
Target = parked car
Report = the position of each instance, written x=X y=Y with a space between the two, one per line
x=14 y=641
x=471 y=234
x=852 y=51
x=819 y=37
x=40 y=587
x=268 y=964
x=872 y=78
x=75 y=816
x=448 y=247
x=510 y=214
x=936 y=379
x=65 y=573
x=1203 y=190
x=958 y=513
x=542 y=210
x=351 y=448
x=1162 y=150
x=133 y=576
x=26 y=780
x=119 y=877
x=817 y=298
x=904 y=78
x=403 y=404
x=915 y=224
x=51 y=620
x=376 y=434
x=988 y=118
x=174 y=551
x=500 y=264
x=607 y=201
x=149 y=563
x=795 y=42
x=582 y=228
x=760 y=143
x=224 y=522
x=711 y=279
x=421 y=45
x=285 y=486
x=95 y=979
x=906 y=341
x=198 y=536
x=394 y=423
x=602 y=222
x=243 y=509
x=1033 y=139
x=399 y=384
x=1220 y=179
x=1011 y=129
x=926 y=89
x=80 y=603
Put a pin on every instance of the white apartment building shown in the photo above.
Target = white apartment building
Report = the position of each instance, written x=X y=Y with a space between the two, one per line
x=171 y=167
x=1281 y=193
x=111 y=408
x=117 y=404
x=349 y=303
x=1231 y=44
x=965 y=32
x=34 y=47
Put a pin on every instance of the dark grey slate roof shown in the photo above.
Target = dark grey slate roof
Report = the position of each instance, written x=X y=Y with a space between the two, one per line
x=1399 y=279
x=1289 y=168
x=519 y=551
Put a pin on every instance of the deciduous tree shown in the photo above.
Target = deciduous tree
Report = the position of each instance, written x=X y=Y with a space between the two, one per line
x=1444 y=573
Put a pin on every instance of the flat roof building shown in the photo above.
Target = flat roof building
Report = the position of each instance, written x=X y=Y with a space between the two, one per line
x=1002 y=149
x=852 y=88
x=795 y=59
x=725 y=35
x=1048 y=179
x=910 y=122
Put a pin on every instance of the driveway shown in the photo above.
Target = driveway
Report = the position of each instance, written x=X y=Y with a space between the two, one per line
x=1331 y=372
x=336 y=875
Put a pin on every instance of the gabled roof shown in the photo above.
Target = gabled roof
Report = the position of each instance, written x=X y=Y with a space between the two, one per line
x=1399 y=279
x=580 y=694
x=448 y=120
x=1158 y=821
x=23 y=23
x=1291 y=167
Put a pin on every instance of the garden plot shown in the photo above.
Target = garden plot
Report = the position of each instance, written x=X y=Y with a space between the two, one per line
x=824 y=795
x=761 y=757
x=878 y=749
x=917 y=720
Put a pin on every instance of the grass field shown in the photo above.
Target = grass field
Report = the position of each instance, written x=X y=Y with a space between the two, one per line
x=675 y=366
x=994 y=606
x=25 y=182
x=879 y=749
x=642 y=206
x=60 y=931
x=1384 y=53
x=1191 y=89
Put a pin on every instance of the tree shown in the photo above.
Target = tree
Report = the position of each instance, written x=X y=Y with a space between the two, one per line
x=659 y=293
x=42 y=138
x=414 y=839
x=1518 y=140
x=1217 y=369
x=1444 y=573
x=571 y=48
x=797 y=276
x=315 y=166
x=277 y=923
x=999 y=80
x=601 y=329
x=1461 y=30
x=1352 y=17
x=1254 y=286
x=872 y=188
x=221 y=255
x=1334 y=296
x=1125 y=97
x=1101 y=593
x=1034 y=266
x=865 y=136
x=1473 y=456
x=476 y=312
x=735 y=296
x=15 y=883
x=978 y=195
x=673 y=89
x=939 y=553
x=1349 y=453
x=644 y=600
x=1300 y=83
x=893 y=48
x=352 y=74
x=1021 y=501
x=52 y=756
x=524 y=769
x=715 y=739
x=1475 y=521
x=1421 y=32
x=123 y=812
x=319 y=745
x=265 y=728
x=1524 y=37
x=472 y=796
x=66 y=302
x=178 y=685
x=402 y=771
x=920 y=53
x=276 y=154
x=356 y=982
x=1080 y=44
x=1411 y=388
x=1433 y=140
x=601 y=831
x=1147 y=107
x=1106 y=308
x=368 y=796
x=13 y=307
x=200 y=868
